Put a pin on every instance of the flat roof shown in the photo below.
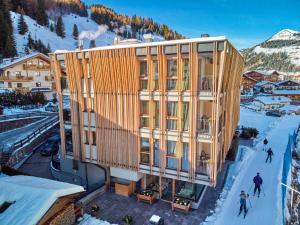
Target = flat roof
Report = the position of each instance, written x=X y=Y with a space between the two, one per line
x=146 y=44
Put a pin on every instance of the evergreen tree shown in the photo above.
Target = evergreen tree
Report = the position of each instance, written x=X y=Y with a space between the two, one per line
x=10 y=47
x=51 y=27
x=41 y=16
x=26 y=50
x=30 y=42
x=60 y=28
x=75 y=32
x=22 y=26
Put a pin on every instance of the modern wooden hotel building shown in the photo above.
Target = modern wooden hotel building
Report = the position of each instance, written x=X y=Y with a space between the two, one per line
x=158 y=115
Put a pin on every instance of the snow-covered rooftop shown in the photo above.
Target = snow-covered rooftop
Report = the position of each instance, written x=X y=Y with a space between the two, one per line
x=287 y=92
x=268 y=100
x=284 y=81
x=32 y=197
x=9 y=63
x=264 y=82
x=144 y=44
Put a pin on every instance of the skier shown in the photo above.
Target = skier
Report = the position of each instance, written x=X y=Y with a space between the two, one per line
x=257 y=180
x=265 y=144
x=270 y=153
x=243 y=201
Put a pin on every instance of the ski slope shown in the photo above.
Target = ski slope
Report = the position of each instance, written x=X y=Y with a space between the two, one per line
x=265 y=210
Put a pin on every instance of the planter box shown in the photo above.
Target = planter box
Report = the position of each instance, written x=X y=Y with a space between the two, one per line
x=145 y=198
x=124 y=189
x=185 y=208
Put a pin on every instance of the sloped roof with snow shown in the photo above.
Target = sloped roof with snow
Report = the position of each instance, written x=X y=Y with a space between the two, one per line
x=264 y=82
x=32 y=197
x=287 y=92
x=269 y=100
x=22 y=59
x=285 y=81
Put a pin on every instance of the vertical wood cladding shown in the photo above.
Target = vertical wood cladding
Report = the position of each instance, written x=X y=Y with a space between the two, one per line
x=116 y=100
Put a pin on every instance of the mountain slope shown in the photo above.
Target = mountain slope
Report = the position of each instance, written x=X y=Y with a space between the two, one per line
x=280 y=52
x=68 y=43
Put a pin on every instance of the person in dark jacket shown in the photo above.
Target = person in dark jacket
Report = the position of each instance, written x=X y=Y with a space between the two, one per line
x=243 y=201
x=257 y=180
x=265 y=144
x=270 y=153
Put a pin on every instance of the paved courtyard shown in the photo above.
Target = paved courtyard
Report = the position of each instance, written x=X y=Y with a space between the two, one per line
x=114 y=207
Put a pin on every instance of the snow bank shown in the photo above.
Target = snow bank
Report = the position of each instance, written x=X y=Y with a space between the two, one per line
x=89 y=220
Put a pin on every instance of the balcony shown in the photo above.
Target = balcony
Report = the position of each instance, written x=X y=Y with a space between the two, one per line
x=204 y=128
x=205 y=86
x=49 y=78
x=203 y=164
x=16 y=79
x=35 y=67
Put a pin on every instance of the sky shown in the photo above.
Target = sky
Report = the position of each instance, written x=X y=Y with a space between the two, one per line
x=245 y=22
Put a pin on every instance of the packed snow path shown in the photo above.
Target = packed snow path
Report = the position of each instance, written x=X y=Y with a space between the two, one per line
x=266 y=209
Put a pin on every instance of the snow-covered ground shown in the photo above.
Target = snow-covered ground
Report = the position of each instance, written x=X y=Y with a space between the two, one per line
x=265 y=210
x=89 y=220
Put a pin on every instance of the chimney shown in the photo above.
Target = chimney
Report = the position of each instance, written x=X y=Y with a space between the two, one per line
x=205 y=35
x=116 y=40
x=80 y=44
x=148 y=38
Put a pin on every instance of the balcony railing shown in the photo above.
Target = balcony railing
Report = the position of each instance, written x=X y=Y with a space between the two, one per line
x=16 y=78
x=203 y=167
x=49 y=78
x=204 y=128
x=35 y=67
x=205 y=86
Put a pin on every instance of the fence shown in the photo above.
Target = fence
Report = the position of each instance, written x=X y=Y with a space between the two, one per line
x=17 y=153
x=24 y=115
x=287 y=161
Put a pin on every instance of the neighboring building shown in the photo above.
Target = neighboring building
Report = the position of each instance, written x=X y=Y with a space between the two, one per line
x=248 y=83
x=271 y=102
x=263 y=75
x=255 y=75
x=264 y=87
x=288 y=85
x=159 y=115
x=31 y=200
x=292 y=94
x=29 y=73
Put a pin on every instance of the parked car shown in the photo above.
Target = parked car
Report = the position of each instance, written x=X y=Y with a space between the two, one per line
x=51 y=108
x=156 y=220
x=50 y=147
x=274 y=113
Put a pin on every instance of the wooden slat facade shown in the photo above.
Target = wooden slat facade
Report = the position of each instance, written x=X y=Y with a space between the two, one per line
x=116 y=99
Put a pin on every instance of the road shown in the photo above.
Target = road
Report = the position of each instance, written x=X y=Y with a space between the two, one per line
x=10 y=137
x=37 y=165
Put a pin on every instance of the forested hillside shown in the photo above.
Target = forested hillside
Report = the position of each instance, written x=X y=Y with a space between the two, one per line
x=52 y=17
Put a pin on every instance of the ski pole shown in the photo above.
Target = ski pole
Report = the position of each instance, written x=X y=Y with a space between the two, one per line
x=250 y=188
x=249 y=202
x=262 y=187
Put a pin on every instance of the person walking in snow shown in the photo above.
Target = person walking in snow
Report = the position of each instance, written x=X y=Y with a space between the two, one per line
x=270 y=153
x=243 y=202
x=265 y=144
x=257 y=180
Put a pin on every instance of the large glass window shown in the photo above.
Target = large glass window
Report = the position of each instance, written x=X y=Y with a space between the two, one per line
x=205 y=65
x=185 y=74
x=172 y=115
x=185 y=116
x=172 y=155
x=184 y=157
x=143 y=75
x=156 y=114
x=156 y=155
x=145 y=151
x=155 y=74
x=172 y=74
x=144 y=113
